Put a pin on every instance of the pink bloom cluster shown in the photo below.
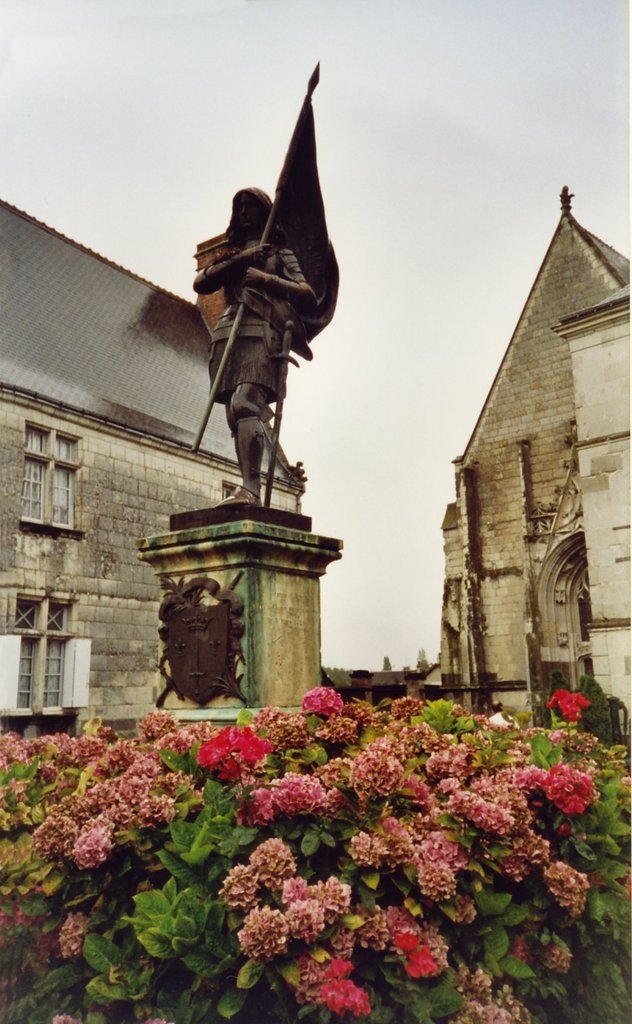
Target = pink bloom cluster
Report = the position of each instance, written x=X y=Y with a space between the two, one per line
x=340 y=994
x=86 y=828
x=93 y=846
x=568 y=704
x=323 y=700
x=570 y=790
x=378 y=769
x=567 y=886
x=232 y=750
x=307 y=909
x=71 y=935
x=291 y=794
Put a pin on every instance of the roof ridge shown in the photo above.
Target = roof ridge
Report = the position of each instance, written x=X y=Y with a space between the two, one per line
x=603 y=248
x=92 y=252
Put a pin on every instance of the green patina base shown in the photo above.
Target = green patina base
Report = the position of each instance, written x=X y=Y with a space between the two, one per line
x=277 y=562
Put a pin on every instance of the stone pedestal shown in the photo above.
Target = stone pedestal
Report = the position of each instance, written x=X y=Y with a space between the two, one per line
x=273 y=562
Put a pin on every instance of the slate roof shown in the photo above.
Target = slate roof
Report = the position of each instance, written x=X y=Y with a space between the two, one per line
x=82 y=332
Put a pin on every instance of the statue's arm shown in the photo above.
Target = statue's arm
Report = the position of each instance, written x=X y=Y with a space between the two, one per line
x=290 y=284
x=216 y=275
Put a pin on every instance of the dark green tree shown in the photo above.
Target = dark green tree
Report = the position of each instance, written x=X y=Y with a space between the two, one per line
x=596 y=719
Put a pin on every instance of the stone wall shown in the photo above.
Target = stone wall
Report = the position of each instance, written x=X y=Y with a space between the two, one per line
x=127 y=487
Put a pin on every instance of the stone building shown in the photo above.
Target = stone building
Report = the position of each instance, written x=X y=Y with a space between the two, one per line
x=103 y=383
x=537 y=542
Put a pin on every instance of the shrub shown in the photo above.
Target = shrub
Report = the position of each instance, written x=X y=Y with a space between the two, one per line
x=407 y=863
x=596 y=719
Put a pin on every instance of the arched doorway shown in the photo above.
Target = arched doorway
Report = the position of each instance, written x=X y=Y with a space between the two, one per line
x=565 y=610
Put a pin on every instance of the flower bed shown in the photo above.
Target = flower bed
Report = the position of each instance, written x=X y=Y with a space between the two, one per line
x=407 y=863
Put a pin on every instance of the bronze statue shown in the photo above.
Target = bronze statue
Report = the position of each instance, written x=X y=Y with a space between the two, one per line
x=280 y=277
x=270 y=284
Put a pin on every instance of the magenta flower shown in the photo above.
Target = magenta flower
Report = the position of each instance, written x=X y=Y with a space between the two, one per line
x=322 y=700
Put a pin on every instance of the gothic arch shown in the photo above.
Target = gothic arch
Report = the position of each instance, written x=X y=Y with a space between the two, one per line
x=564 y=605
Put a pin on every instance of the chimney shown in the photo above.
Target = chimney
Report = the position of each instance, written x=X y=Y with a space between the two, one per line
x=206 y=253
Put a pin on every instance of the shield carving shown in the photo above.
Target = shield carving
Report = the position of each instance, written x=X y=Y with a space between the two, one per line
x=200 y=632
x=197 y=649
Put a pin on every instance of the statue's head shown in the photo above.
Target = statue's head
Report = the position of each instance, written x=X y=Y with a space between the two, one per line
x=249 y=214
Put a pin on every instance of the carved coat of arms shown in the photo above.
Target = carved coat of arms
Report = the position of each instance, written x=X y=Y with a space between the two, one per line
x=201 y=632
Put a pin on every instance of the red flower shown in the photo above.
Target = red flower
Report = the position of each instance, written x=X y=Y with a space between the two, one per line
x=407 y=942
x=231 y=748
x=343 y=994
x=568 y=705
x=338 y=968
x=421 y=963
x=568 y=789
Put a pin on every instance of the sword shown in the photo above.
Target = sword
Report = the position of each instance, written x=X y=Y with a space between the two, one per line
x=284 y=358
x=287 y=164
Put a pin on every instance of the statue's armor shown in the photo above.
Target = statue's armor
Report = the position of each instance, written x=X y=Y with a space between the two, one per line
x=260 y=334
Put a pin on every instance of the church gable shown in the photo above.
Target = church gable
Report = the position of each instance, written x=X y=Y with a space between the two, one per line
x=513 y=608
x=534 y=383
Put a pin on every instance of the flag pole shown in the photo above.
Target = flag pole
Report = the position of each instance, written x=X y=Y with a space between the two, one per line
x=267 y=231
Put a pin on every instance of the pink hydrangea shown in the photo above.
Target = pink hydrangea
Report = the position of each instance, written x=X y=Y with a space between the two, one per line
x=294 y=794
x=273 y=862
x=239 y=888
x=93 y=846
x=377 y=770
x=334 y=895
x=322 y=700
x=305 y=919
x=568 y=887
x=265 y=934
x=71 y=935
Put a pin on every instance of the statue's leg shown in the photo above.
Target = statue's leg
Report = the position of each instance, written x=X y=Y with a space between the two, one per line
x=247 y=406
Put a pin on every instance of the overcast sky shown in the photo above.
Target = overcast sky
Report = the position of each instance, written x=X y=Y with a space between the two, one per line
x=446 y=130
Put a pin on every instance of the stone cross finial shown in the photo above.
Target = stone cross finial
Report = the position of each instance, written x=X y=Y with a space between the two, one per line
x=565 y=199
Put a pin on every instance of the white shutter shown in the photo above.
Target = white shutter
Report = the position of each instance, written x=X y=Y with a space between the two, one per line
x=9 y=670
x=76 y=674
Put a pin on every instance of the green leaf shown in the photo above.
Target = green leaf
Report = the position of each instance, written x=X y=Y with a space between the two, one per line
x=103 y=993
x=231 y=1002
x=156 y=943
x=444 y=1000
x=289 y=971
x=152 y=903
x=516 y=968
x=584 y=850
x=544 y=754
x=327 y=839
x=353 y=921
x=310 y=843
x=514 y=915
x=492 y=903
x=249 y=974
x=244 y=717
x=181 y=946
x=100 y=953
x=176 y=867
x=496 y=942
x=438 y=714
x=371 y=879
